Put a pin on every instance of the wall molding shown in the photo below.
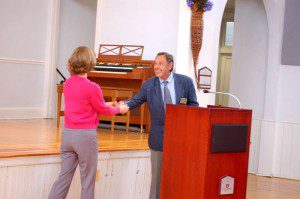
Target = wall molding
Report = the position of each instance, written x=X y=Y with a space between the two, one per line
x=274 y=149
x=276 y=121
x=21 y=113
x=51 y=60
x=55 y=159
x=21 y=61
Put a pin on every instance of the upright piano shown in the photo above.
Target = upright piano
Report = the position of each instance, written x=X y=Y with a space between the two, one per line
x=121 y=67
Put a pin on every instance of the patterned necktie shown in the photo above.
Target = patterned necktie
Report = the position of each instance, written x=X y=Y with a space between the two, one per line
x=167 y=95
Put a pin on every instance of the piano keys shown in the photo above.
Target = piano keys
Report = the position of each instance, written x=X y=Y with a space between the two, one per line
x=114 y=69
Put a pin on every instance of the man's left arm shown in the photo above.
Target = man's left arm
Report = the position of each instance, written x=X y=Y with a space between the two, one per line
x=192 y=97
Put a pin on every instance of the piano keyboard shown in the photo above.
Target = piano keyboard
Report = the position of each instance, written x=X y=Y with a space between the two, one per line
x=112 y=72
x=115 y=68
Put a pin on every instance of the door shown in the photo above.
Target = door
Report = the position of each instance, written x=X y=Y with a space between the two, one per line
x=224 y=68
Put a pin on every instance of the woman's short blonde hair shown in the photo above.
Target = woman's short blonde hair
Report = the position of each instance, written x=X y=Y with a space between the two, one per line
x=82 y=60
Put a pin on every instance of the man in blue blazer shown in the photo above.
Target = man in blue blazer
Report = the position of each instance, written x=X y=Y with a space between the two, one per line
x=166 y=88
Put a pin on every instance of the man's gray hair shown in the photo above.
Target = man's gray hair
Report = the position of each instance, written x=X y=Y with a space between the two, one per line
x=168 y=56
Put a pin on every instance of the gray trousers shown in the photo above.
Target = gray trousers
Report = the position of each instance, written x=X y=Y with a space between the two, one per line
x=77 y=147
x=156 y=161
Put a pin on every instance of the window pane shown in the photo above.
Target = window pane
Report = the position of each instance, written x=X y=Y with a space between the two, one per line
x=229 y=34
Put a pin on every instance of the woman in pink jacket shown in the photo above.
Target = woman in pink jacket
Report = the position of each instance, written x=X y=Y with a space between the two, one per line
x=83 y=104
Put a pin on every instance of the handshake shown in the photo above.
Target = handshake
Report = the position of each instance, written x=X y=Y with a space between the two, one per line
x=124 y=108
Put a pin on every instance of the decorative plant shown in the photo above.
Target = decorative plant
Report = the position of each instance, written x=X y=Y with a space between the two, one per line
x=205 y=5
x=198 y=7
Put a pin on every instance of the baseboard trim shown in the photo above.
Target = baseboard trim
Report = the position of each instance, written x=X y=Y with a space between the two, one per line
x=21 y=113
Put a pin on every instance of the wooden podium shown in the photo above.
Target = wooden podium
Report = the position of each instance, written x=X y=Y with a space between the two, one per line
x=205 y=153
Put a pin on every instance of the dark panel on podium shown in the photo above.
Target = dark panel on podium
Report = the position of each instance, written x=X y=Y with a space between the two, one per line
x=229 y=138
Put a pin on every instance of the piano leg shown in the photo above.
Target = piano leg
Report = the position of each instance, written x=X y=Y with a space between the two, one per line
x=142 y=116
x=59 y=98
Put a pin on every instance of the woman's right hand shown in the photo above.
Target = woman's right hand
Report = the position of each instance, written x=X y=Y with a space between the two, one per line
x=124 y=108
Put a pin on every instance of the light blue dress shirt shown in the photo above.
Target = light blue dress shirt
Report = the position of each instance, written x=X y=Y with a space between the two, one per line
x=170 y=86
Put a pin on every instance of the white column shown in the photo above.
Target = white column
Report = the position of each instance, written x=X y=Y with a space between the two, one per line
x=51 y=59
x=275 y=16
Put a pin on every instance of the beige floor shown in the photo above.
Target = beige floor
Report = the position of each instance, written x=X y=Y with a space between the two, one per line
x=38 y=137
x=272 y=188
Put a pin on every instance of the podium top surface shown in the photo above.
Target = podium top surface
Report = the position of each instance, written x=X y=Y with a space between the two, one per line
x=208 y=108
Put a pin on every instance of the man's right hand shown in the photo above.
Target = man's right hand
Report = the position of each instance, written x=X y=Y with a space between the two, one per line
x=124 y=108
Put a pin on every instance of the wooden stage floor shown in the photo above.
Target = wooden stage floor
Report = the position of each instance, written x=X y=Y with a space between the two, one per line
x=40 y=137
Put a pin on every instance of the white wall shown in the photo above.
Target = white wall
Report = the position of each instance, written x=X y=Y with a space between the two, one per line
x=288 y=94
x=151 y=23
x=279 y=149
x=249 y=56
x=23 y=39
x=76 y=28
x=28 y=51
x=270 y=91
